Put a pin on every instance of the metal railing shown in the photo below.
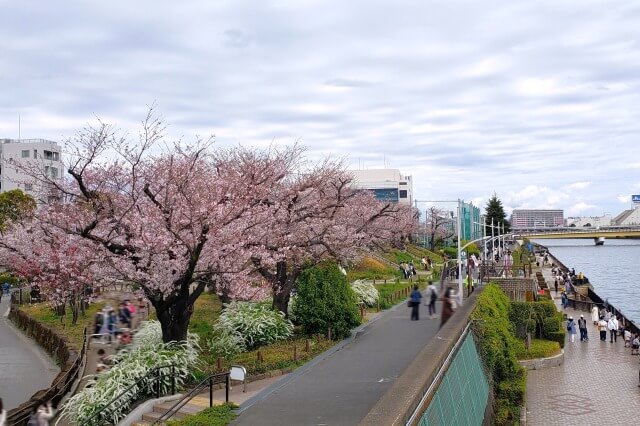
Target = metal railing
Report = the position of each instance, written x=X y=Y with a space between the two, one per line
x=208 y=382
x=155 y=380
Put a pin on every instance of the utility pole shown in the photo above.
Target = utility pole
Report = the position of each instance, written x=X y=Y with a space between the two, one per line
x=459 y=260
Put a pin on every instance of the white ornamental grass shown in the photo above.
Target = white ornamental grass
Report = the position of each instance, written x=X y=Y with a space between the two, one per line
x=366 y=293
x=224 y=343
x=256 y=323
x=147 y=352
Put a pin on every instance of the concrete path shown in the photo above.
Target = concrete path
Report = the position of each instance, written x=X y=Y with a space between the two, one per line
x=341 y=387
x=597 y=384
x=24 y=367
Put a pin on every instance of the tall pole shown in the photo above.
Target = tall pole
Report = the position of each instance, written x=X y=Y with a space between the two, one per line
x=459 y=260
x=493 y=242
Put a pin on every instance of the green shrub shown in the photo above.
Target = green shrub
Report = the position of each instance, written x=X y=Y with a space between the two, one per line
x=256 y=323
x=550 y=325
x=219 y=415
x=539 y=349
x=451 y=252
x=225 y=344
x=366 y=293
x=558 y=336
x=6 y=277
x=498 y=347
x=326 y=300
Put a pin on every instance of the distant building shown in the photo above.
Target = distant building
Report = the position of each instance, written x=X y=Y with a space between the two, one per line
x=536 y=218
x=629 y=217
x=471 y=222
x=43 y=154
x=386 y=184
x=595 y=221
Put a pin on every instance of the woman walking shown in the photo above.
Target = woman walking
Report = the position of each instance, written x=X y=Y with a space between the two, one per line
x=447 y=307
x=571 y=328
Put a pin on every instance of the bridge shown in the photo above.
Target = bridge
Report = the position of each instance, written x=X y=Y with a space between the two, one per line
x=597 y=234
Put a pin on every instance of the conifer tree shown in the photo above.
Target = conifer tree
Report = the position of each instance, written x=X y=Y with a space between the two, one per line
x=495 y=211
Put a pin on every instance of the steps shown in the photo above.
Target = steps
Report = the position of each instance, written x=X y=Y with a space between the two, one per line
x=194 y=406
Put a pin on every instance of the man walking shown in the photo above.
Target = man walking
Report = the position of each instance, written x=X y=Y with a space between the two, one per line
x=582 y=325
x=414 y=302
x=613 y=329
x=571 y=328
x=432 y=295
x=602 y=328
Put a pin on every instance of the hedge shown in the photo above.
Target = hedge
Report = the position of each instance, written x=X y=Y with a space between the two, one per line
x=498 y=347
x=539 y=349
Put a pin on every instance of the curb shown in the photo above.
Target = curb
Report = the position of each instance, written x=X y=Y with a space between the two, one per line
x=543 y=363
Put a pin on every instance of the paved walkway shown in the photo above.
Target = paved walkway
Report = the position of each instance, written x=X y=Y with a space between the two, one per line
x=24 y=367
x=341 y=387
x=597 y=384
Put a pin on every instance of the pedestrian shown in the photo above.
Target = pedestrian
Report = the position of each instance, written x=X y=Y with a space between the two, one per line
x=124 y=315
x=602 y=328
x=447 y=307
x=98 y=322
x=41 y=415
x=428 y=263
x=112 y=324
x=414 y=302
x=3 y=415
x=571 y=328
x=564 y=300
x=612 y=325
x=555 y=285
x=432 y=294
x=582 y=326
x=594 y=315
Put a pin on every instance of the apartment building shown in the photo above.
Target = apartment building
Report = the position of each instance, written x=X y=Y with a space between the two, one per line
x=523 y=218
x=42 y=154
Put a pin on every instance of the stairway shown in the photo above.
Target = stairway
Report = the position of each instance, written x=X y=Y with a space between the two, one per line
x=194 y=406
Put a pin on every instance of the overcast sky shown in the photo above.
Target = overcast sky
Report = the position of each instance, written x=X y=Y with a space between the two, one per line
x=536 y=101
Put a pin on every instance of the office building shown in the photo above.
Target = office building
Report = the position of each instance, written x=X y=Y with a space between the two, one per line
x=386 y=184
x=522 y=219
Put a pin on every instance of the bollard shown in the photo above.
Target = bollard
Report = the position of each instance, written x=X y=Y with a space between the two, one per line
x=329 y=333
x=307 y=346
x=259 y=356
x=378 y=304
x=295 y=353
x=219 y=365
x=211 y=391
x=227 y=383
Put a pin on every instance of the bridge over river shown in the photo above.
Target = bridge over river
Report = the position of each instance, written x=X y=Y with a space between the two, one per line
x=597 y=234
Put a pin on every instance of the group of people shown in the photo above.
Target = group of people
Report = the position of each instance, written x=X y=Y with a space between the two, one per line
x=114 y=325
x=431 y=297
x=42 y=413
x=408 y=269
x=426 y=263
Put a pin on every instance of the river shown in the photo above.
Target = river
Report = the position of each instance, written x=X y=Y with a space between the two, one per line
x=610 y=269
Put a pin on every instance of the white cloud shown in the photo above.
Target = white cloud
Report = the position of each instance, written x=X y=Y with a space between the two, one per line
x=532 y=101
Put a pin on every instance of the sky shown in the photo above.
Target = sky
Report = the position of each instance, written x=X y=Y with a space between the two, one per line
x=535 y=101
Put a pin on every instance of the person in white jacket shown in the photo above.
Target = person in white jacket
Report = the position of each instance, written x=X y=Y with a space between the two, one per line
x=612 y=325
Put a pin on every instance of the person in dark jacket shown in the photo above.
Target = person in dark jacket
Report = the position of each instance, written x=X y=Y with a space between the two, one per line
x=414 y=301
x=582 y=326
x=447 y=307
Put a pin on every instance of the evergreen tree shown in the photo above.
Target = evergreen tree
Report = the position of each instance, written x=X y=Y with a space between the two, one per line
x=495 y=211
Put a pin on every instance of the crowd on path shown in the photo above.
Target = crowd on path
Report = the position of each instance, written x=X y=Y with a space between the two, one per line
x=430 y=299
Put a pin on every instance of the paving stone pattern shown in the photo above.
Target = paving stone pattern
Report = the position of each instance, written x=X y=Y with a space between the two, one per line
x=597 y=384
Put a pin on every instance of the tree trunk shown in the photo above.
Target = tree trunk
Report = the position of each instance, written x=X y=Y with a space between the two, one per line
x=174 y=318
x=281 y=301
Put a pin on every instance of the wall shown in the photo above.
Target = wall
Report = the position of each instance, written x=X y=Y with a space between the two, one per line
x=517 y=289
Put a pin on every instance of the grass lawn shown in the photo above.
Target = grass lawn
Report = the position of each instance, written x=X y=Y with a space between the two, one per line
x=539 y=349
x=220 y=415
x=43 y=313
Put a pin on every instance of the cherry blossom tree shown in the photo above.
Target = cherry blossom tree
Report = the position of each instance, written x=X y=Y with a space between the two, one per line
x=438 y=226
x=169 y=221
x=319 y=216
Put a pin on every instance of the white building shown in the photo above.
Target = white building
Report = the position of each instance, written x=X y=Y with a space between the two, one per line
x=629 y=217
x=42 y=154
x=386 y=184
x=593 y=221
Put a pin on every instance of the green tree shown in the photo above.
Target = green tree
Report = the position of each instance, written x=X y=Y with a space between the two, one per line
x=324 y=299
x=14 y=206
x=495 y=211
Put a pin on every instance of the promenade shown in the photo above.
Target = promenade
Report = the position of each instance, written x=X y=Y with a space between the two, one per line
x=341 y=387
x=596 y=384
x=24 y=367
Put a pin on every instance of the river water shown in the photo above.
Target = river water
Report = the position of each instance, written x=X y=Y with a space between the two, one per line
x=611 y=269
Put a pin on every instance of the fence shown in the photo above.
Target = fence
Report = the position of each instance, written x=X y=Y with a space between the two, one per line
x=70 y=361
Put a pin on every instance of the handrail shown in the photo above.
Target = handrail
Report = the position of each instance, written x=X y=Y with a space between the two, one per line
x=156 y=378
x=209 y=381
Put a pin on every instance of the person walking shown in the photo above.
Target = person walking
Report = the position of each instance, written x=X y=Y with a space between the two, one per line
x=416 y=296
x=432 y=295
x=594 y=315
x=3 y=415
x=612 y=325
x=602 y=328
x=564 y=300
x=555 y=285
x=571 y=328
x=582 y=326
x=447 y=307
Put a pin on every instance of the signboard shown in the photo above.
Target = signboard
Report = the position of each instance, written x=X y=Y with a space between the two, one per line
x=635 y=198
